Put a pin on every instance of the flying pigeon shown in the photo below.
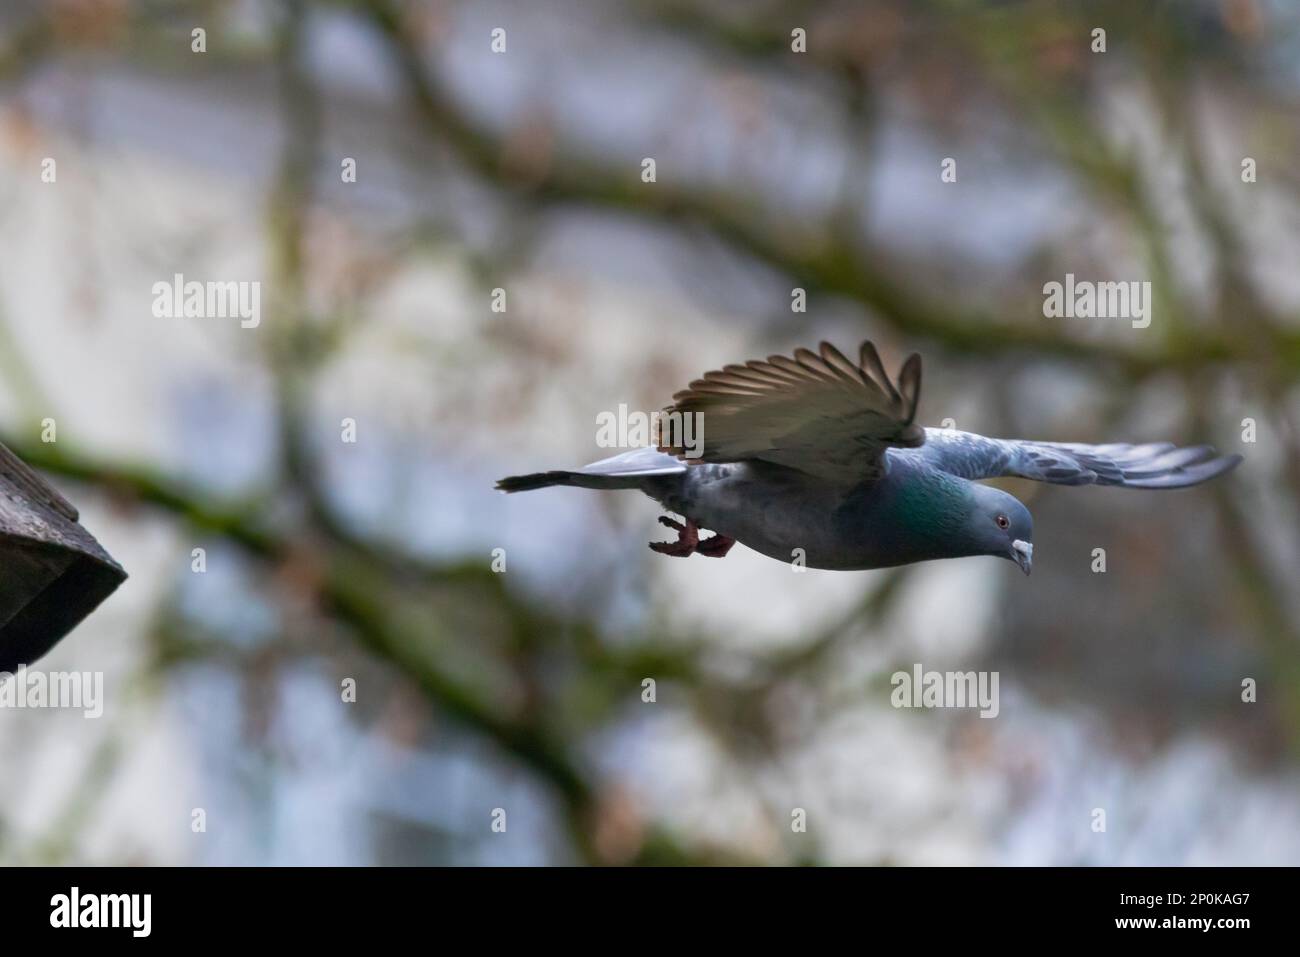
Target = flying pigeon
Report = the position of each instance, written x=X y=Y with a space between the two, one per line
x=818 y=459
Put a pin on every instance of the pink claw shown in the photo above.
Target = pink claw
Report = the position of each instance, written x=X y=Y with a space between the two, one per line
x=688 y=541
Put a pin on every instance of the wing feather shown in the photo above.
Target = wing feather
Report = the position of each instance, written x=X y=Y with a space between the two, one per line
x=1149 y=465
x=814 y=411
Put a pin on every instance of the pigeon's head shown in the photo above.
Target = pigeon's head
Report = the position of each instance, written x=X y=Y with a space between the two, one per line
x=1002 y=526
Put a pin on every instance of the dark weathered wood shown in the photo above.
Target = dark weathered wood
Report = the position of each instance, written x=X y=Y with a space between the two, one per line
x=52 y=571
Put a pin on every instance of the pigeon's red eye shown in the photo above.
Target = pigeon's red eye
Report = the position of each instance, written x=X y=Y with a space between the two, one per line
x=1003 y=522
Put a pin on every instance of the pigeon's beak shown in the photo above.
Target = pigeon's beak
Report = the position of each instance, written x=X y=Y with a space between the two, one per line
x=1023 y=553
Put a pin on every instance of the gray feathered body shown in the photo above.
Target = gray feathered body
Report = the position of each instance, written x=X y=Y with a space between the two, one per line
x=906 y=515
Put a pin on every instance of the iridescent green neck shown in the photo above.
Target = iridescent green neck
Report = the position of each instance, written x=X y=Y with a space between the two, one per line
x=930 y=509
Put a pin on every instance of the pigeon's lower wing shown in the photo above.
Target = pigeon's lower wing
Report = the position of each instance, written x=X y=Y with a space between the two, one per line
x=816 y=412
x=1154 y=465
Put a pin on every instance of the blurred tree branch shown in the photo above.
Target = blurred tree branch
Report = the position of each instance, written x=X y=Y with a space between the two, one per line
x=818 y=255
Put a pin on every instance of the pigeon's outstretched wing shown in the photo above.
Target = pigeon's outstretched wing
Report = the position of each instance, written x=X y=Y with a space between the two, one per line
x=816 y=412
x=1154 y=465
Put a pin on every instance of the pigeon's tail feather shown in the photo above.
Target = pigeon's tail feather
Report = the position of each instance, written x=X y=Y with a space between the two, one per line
x=628 y=470
x=526 y=483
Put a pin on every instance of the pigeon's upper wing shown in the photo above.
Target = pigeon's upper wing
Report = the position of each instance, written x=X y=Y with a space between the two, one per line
x=819 y=413
x=1154 y=465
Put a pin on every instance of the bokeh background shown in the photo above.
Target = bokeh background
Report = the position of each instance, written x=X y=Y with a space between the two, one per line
x=521 y=171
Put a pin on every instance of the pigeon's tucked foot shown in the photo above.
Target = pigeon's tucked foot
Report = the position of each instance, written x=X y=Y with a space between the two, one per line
x=688 y=539
x=715 y=547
